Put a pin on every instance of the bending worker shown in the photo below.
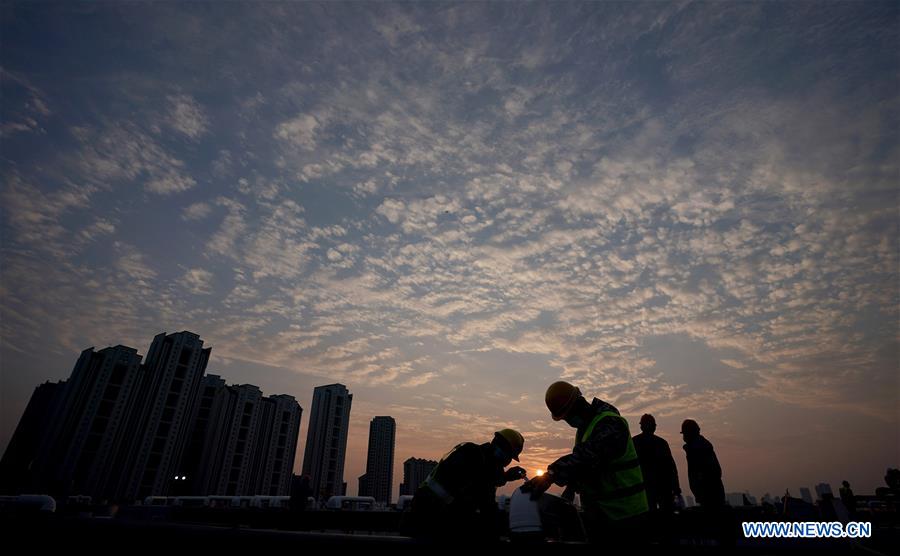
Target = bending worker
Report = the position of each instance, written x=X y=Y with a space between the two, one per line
x=603 y=466
x=457 y=501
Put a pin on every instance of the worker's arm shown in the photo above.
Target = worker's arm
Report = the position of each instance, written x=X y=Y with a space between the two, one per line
x=608 y=441
x=673 y=470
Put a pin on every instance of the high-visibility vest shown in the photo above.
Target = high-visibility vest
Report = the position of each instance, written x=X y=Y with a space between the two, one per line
x=432 y=482
x=618 y=488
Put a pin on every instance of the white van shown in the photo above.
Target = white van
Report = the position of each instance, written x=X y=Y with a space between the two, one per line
x=265 y=502
x=351 y=503
x=28 y=503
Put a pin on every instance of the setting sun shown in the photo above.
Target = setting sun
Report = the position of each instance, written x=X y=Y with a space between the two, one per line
x=539 y=472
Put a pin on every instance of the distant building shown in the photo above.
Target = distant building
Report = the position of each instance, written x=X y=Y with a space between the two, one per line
x=415 y=471
x=806 y=495
x=378 y=479
x=160 y=423
x=273 y=460
x=100 y=396
x=326 y=440
x=740 y=499
x=117 y=430
x=822 y=489
x=204 y=454
x=242 y=444
x=236 y=478
x=19 y=465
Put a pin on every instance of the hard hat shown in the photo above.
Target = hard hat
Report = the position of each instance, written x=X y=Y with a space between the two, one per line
x=514 y=440
x=690 y=426
x=647 y=418
x=560 y=399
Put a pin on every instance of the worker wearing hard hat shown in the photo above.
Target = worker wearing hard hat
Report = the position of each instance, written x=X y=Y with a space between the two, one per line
x=603 y=466
x=457 y=502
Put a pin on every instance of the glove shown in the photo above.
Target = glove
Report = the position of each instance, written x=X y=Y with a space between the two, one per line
x=538 y=485
x=514 y=473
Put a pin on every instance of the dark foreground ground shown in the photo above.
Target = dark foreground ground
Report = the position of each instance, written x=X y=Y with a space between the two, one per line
x=56 y=533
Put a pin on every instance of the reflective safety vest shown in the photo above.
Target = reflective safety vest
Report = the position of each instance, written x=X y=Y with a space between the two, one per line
x=618 y=488
x=435 y=486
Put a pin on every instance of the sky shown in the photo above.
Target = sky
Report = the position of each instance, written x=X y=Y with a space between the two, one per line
x=685 y=209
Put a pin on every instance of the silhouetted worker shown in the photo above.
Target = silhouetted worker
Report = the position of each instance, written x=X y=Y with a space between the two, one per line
x=301 y=490
x=603 y=466
x=847 y=496
x=704 y=472
x=657 y=466
x=892 y=479
x=457 y=502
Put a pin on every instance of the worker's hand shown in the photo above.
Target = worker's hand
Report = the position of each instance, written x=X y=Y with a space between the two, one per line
x=514 y=473
x=538 y=485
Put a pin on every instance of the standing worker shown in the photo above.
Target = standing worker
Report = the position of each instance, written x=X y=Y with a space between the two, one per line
x=603 y=466
x=704 y=471
x=457 y=502
x=658 y=467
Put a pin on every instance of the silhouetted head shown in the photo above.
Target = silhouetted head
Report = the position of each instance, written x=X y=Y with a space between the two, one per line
x=648 y=423
x=690 y=429
x=846 y=484
x=561 y=398
x=508 y=444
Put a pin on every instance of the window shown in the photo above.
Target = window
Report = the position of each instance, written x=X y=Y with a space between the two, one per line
x=118 y=374
x=153 y=461
x=92 y=443
x=185 y=357
x=111 y=392
x=105 y=409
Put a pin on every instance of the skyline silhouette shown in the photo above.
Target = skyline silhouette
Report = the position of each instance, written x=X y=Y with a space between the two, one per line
x=195 y=445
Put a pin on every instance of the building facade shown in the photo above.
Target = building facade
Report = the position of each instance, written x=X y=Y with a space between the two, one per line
x=161 y=421
x=415 y=471
x=379 y=477
x=117 y=430
x=326 y=440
